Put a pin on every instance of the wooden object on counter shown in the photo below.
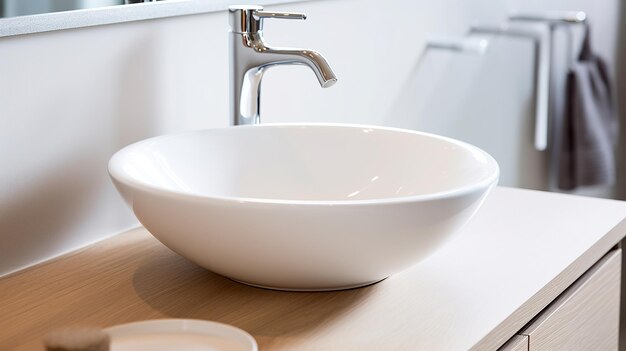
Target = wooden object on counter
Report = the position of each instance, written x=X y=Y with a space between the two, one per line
x=520 y=252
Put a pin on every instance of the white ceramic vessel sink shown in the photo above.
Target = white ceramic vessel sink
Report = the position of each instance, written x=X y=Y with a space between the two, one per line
x=303 y=207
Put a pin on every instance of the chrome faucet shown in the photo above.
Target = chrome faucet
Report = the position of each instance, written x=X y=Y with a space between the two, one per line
x=250 y=56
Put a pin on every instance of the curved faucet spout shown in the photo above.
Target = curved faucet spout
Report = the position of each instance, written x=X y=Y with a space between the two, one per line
x=280 y=56
x=251 y=56
x=310 y=58
x=250 y=89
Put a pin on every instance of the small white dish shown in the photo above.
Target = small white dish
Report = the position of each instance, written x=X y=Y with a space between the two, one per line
x=179 y=334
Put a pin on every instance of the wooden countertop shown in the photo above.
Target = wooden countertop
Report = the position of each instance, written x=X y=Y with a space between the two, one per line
x=521 y=250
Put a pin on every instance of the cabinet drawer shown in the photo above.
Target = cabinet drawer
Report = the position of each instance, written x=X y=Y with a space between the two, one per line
x=516 y=343
x=586 y=316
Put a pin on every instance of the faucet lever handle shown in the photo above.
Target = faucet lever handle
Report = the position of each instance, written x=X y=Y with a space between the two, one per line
x=258 y=15
x=249 y=18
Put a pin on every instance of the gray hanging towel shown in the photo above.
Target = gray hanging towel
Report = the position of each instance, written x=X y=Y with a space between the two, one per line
x=590 y=124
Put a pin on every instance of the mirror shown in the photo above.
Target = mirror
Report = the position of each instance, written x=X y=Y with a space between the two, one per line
x=14 y=8
x=18 y=17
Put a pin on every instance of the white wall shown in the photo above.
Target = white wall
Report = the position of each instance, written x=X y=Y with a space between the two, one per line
x=70 y=99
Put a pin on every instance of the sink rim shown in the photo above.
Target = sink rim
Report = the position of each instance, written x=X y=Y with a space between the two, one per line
x=489 y=180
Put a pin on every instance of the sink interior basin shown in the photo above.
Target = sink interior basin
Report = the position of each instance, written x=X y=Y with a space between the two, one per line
x=307 y=163
x=303 y=207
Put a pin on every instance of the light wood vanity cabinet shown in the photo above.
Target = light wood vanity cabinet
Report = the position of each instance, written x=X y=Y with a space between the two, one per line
x=584 y=317
x=542 y=294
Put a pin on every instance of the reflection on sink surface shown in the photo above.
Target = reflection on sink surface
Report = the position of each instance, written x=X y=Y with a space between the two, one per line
x=303 y=207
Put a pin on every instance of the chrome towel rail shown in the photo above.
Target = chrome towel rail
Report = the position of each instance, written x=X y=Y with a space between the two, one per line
x=566 y=17
x=466 y=45
x=552 y=19
x=542 y=40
